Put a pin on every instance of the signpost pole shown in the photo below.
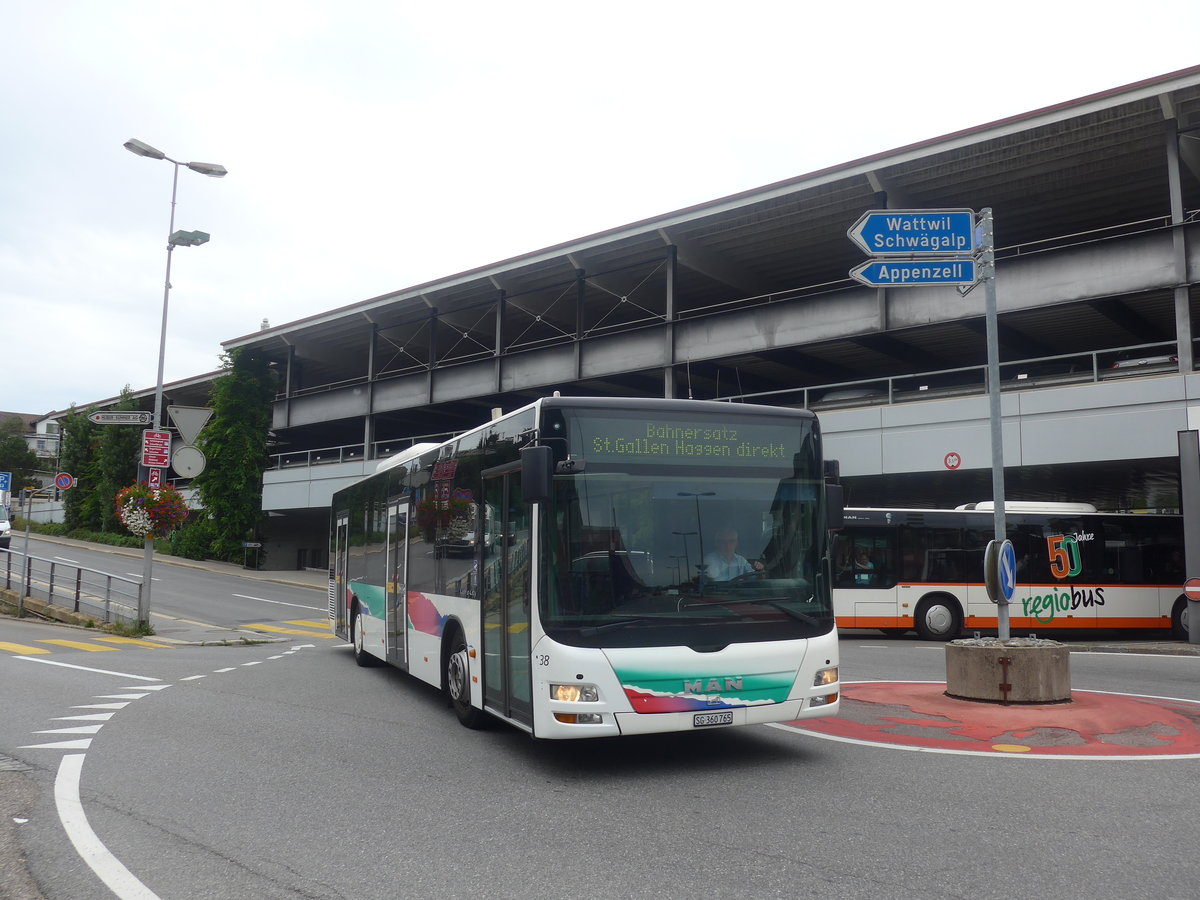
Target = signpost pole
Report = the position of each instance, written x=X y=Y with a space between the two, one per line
x=987 y=259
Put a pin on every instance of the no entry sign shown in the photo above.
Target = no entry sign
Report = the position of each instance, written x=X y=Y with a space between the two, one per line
x=1191 y=587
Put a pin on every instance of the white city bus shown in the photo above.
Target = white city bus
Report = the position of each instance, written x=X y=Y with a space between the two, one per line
x=590 y=598
x=922 y=569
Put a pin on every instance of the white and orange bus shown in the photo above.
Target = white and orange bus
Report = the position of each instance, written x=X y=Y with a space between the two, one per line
x=922 y=569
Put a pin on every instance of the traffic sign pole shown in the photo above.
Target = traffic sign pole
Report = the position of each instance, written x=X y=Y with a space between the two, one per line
x=988 y=275
x=914 y=247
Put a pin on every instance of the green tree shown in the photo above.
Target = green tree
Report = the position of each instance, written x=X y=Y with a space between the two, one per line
x=115 y=464
x=15 y=455
x=78 y=448
x=235 y=445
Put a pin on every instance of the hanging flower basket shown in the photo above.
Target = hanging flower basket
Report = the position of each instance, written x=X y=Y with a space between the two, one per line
x=151 y=512
x=448 y=519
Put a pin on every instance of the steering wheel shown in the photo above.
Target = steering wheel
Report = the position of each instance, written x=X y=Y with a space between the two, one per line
x=746 y=576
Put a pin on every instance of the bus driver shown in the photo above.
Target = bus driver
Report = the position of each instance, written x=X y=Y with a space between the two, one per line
x=725 y=563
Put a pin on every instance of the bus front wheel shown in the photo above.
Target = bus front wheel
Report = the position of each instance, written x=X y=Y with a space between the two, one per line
x=1179 y=620
x=938 y=619
x=458 y=682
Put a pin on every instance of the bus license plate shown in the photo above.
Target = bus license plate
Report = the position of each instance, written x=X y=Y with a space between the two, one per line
x=700 y=720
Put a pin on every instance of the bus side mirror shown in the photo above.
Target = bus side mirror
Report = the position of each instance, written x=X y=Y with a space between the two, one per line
x=537 y=465
x=835 y=507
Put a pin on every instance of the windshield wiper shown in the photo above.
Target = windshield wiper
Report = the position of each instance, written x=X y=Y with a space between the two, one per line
x=590 y=630
x=779 y=603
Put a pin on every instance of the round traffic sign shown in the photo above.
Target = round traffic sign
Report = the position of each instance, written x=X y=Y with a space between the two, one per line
x=188 y=461
x=64 y=480
x=1191 y=587
x=952 y=460
x=1000 y=571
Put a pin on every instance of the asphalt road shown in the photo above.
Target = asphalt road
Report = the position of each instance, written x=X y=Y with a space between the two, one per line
x=284 y=771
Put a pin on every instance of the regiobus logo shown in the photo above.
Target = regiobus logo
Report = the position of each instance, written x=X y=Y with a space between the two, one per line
x=1065 y=562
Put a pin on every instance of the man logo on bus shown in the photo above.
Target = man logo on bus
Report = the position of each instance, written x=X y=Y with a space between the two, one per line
x=713 y=686
x=1065 y=561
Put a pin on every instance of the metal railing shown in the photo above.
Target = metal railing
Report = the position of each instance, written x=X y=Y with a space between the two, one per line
x=352 y=452
x=106 y=597
x=1027 y=374
x=1042 y=372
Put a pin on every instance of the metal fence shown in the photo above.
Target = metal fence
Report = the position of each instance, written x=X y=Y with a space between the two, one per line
x=107 y=598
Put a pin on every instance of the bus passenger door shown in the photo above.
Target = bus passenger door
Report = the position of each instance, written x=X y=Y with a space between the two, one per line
x=397 y=583
x=506 y=592
x=337 y=577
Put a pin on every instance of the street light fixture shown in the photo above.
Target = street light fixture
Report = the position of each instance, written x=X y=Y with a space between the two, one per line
x=174 y=239
x=703 y=566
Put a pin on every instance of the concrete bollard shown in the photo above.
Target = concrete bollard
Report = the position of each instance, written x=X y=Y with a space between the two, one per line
x=1017 y=670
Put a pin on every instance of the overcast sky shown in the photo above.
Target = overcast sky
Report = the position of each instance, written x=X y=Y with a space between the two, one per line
x=372 y=146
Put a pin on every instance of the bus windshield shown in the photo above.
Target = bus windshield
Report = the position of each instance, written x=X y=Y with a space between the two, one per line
x=650 y=549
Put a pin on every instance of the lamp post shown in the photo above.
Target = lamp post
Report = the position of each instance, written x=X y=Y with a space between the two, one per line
x=174 y=239
x=684 y=535
x=702 y=566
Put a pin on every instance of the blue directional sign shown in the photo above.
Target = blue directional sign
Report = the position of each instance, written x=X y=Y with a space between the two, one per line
x=5 y=481
x=915 y=272
x=915 y=232
x=1006 y=570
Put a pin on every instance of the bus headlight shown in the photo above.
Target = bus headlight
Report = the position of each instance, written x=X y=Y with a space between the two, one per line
x=826 y=676
x=579 y=718
x=575 y=693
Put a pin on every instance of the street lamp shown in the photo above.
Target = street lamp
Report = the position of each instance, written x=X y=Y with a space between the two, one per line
x=174 y=239
x=699 y=525
x=684 y=535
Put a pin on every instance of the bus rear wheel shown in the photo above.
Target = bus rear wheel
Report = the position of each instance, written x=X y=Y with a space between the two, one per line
x=938 y=619
x=458 y=682
x=1179 y=620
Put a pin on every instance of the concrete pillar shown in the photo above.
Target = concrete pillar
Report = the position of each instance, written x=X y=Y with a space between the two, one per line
x=1017 y=670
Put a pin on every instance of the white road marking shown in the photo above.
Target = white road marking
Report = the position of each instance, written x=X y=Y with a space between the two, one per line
x=110 y=870
x=279 y=602
x=78 y=729
x=61 y=745
x=51 y=662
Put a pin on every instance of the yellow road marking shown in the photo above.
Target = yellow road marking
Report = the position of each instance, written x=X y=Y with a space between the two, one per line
x=78 y=645
x=21 y=648
x=113 y=639
x=309 y=623
x=515 y=628
x=275 y=629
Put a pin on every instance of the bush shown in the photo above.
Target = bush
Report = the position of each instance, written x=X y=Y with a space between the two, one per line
x=58 y=529
x=194 y=540
x=105 y=537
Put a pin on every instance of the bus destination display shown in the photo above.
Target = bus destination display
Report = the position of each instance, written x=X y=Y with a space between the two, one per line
x=624 y=440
